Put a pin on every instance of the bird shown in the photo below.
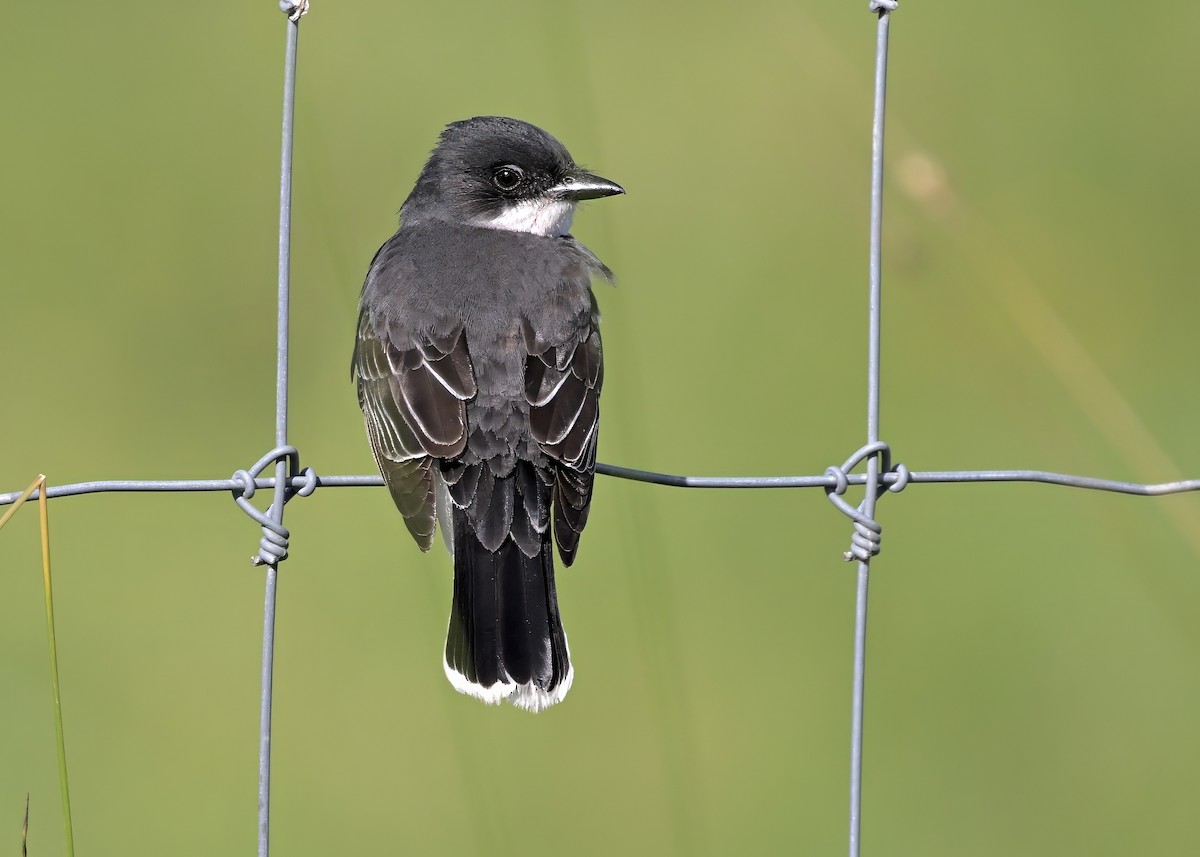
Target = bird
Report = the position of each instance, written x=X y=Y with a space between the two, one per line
x=479 y=367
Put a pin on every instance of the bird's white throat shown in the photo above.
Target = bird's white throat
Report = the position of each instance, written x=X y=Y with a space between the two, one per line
x=545 y=217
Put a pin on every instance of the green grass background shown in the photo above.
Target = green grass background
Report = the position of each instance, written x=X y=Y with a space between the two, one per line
x=1032 y=679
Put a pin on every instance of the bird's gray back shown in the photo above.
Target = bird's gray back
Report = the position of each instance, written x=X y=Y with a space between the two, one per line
x=503 y=290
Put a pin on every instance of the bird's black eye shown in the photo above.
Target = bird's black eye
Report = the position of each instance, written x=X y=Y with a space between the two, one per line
x=508 y=178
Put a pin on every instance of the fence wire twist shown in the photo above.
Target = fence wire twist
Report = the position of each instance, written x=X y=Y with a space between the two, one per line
x=290 y=480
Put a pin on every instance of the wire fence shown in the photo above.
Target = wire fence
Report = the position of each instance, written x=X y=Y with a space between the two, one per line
x=291 y=480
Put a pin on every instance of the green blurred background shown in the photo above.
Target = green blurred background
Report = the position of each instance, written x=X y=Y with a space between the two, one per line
x=1033 y=684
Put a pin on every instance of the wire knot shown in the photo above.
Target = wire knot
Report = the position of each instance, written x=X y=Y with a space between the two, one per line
x=866 y=541
x=273 y=548
x=881 y=6
x=293 y=9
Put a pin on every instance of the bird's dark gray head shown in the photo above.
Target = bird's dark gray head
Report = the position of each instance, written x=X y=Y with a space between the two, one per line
x=502 y=173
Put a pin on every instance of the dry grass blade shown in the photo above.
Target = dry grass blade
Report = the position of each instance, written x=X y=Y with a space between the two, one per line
x=33 y=486
x=44 y=516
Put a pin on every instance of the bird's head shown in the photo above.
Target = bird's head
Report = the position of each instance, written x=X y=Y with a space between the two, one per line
x=502 y=173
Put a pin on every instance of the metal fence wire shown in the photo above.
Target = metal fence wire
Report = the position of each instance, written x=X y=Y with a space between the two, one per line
x=290 y=480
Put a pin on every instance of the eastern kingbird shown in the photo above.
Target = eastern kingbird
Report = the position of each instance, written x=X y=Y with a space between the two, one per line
x=479 y=369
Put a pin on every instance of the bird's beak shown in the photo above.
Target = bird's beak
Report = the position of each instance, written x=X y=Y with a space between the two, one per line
x=580 y=185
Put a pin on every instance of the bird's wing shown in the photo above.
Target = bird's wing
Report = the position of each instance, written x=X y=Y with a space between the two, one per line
x=413 y=391
x=562 y=385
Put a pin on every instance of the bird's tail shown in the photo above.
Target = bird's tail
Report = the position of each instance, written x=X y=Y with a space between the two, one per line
x=505 y=639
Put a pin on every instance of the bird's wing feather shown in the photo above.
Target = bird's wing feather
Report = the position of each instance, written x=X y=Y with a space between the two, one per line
x=412 y=391
x=562 y=387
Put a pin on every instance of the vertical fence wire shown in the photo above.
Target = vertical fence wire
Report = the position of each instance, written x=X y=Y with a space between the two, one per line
x=871 y=487
x=281 y=403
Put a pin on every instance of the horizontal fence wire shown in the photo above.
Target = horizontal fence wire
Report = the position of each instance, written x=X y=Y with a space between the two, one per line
x=290 y=481
x=1045 y=477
